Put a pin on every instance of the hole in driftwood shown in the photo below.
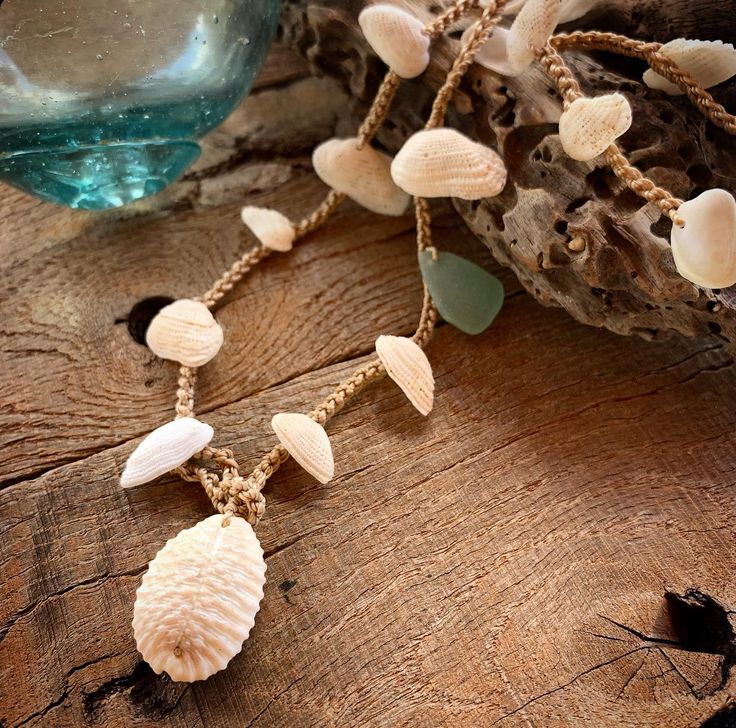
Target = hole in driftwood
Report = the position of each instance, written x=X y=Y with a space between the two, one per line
x=141 y=315
x=724 y=718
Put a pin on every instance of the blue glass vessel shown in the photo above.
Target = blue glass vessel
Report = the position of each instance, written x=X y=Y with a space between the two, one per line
x=102 y=101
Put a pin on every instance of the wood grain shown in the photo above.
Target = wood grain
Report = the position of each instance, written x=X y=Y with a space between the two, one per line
x=504 y=562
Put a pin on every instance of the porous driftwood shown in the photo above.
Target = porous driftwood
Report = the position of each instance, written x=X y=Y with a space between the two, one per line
x=619 y=271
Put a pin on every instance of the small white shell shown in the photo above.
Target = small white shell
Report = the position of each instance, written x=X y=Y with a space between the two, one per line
x=165 y=449
x=307 y=442
x=409 y=367
x=398 y=39
x=493 y=54
x=364 y=175
x=185 y=331
x=530 y=32
x=198 y=600
x=589 y=126
x=272 y=228
x=709 y=62
x=705 y=249
x=444 y=163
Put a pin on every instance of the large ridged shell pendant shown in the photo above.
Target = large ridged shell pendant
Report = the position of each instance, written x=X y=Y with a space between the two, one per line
x=198 y=600
x=530 y=32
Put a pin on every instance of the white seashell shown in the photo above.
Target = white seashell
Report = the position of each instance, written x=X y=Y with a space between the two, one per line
x=444 y=163
x=364 y=175
x=709 y=62
x=409 y=367
x=307 y=442
x=574 y=9
x=493 y=54
x=705 y=249
x=272 y=228
x=165 y=449
x=398 y=39
x=185 y=331
x=530 y=32
x=589 y=126
x=199 y=598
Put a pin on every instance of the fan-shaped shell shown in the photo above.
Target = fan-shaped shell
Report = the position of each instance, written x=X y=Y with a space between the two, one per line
x=705 y=249
x=198 y=600
x=165 y=449
x=307 y=442
x=409 y=367
x=444 y=163
x=398 y=39
x=364 y=175
x=589 y=126
x=185 y=331
x=530 y=31
x=272 y=228
x=709 y=62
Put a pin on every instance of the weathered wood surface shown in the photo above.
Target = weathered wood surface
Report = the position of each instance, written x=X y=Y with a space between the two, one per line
x=503 y=562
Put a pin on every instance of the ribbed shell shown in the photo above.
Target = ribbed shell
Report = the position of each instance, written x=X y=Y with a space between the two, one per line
x=185 y=331
x=398 y=39
x=709 y=62
x=165 y=449
x=444 y=163
x=307 y=442
x=589 y=126
x=364 y=175
x=409 y=367
x=272 y=228
x=705 y=249
x=530 y=31
x=199 y=598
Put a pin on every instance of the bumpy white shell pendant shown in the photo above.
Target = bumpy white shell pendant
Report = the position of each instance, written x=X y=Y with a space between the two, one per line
x=705 y=249
x=589 y=126
x=409 y=367
x=165 y=449
x=530 y=32
x=364 y=175
x=272 y=228
x=185 y=331
x=398 y=39
x=307 y=442
x=709 y=62
x=444 y=163
x=198 y=600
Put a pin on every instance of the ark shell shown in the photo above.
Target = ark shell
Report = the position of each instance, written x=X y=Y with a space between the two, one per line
x=165 y=449
x=307 y=442
x=273 y=229
x=705 y=249
x=198 y=600
x=364 y=175
x=530 y=32
x=409 y=367
x=444 y=163
x=185 y=331
x=398 y=39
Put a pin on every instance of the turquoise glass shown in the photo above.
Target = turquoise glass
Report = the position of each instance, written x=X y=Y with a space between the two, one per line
x=102 y=101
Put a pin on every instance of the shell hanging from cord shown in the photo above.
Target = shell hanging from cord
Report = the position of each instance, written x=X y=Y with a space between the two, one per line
x=705 y=248
x=198 y=601
x=364 y=175
x=272 y=228
x=307 y=442
x=165 y=449
x=494 y=54
x=444 y=163
x=408 y=366
x=530 y=32
x=709 y=62
x=590 y=125
x=397 y=37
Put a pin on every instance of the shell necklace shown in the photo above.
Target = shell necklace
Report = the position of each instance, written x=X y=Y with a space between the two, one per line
x=198 y=600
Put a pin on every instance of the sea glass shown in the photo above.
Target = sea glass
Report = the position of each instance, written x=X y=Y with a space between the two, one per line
x=102 y=101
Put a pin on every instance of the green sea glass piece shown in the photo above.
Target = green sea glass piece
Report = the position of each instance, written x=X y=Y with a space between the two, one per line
x=466 y=295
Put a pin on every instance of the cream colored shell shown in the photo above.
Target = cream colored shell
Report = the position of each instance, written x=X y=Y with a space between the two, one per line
x=709 y=62
x=444 y=163
x=165 y=449
x=273 y=229
x=198 y=600
x=530 y=32
x=307 y=442
x=364 y=175
x=705 y=249
x=408 y=366
x=398 y=39
x=493 y=54
x=589 y=126
x=185 y=331
x=570 y=9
